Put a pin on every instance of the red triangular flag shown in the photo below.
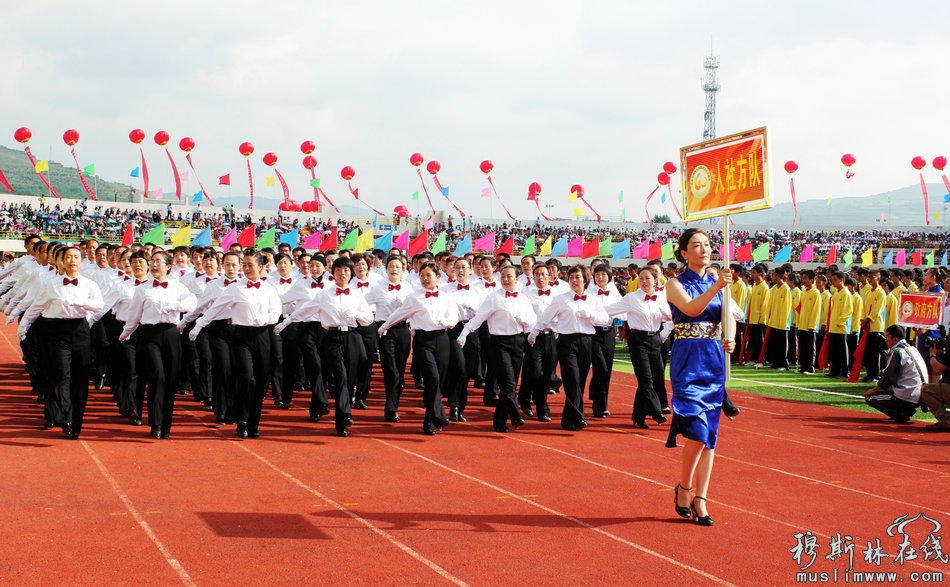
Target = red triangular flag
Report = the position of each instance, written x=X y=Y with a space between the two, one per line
x=330 y=242
x=224 y=180
x=247 y=236
x=744 y=253
x=128 y=237
x=419 y=244
x=591 y=249
x=915 y=259
x=507 y=247
x=656 y=250
x=832 y=256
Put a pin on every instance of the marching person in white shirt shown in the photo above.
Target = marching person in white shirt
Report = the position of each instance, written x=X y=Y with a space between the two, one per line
x=540 y=360
x=602 y=292
x=363 y=279
x=463 y=362
x=388 y=297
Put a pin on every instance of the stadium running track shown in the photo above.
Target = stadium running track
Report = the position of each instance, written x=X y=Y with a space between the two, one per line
x=389 y=506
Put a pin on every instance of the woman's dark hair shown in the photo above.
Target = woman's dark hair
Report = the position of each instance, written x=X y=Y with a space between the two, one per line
x=683 y=244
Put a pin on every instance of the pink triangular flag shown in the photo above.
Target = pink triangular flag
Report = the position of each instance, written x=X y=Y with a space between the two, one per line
x=486 y=192
x=157 y=194
x=313 y=241
x=808 y=254
x=428 y=225
x=575 y=248
x=900 y=259
x=732 y=252
x=184 y=175
x=402 y=241
x=640 y=251
x=485 y=243
x=229 y=240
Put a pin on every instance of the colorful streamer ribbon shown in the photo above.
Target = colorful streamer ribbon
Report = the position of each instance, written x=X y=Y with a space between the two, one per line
x=4 y=182
x=356 y=194
x=435 y=179
x=250 y=184
x=174 y=171
x=499 y=199
x=82 y=178
x=669 y=190
x=537 y=203
x=29 y=155
x=791 y=184
x=144 y=171
x=192 y=165
x=647 y=203
x=923 y=190
x=583 y=201
x=425 y=189
x=283 y=184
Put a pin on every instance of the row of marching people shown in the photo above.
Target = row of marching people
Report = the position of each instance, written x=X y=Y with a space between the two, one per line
x=237 y=323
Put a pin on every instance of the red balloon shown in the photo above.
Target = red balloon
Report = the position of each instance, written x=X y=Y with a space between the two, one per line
x=161 y=138
x=23 y=135
x=71 y=137
x=669 y=167
x=310 y=206
x=918 y=162
x=137 y=136
x=848 y=159
x=534 y=189
x=486 y=166
x=309 y=161
x=939 y=162
x=663 y=178
x=416 y=159
x=285 y=206
x=433 y=167
x=307 y=147
x=791 y=166
x=295 y=206
x=246 y=149
x=347 y=173
x=186 y=144
x=270 y=159
x=577 y=189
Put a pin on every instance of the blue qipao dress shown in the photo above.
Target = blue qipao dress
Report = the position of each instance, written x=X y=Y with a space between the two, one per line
x=697 y=366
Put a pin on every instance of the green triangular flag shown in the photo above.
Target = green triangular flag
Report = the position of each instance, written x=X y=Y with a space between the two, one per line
x=667 y=250
x=605 y=247
x=439 y=245
x=761 y=253
x=89 y=169
x=351 y=240
x=315 y=183
x=623 y=214
x=888 y=198
x=266 y=240
x=528 y=246
x=415 y=195
x=620 y=196
x=930 y=259
x=848 y=257
x=156 y=236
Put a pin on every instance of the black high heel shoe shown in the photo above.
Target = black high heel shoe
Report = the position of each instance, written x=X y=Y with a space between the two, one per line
x=681 y=510
x=701 y=520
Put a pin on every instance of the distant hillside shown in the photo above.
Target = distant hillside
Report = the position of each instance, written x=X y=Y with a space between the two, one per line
x=24 y=180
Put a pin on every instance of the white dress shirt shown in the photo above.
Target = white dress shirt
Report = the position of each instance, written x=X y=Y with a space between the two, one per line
x=158 y=304
x=649 y=315
x=506 y=313
x=245 y=303
x=570 y=313
x=426 y=310
x=81 y=298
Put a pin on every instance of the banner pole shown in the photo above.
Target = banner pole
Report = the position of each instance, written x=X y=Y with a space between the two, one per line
x=727 y=326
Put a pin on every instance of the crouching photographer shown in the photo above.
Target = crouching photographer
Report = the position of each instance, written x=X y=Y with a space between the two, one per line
x=897 y=393
x=936 y=396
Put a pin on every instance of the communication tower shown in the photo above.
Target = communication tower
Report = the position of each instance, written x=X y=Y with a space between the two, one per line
x=710 y=86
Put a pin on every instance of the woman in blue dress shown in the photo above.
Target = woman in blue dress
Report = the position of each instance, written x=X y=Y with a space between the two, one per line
x=697 y=369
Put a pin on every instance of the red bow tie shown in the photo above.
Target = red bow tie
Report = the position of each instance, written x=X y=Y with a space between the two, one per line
x=197 y=275
x=527 y=281
x=451 y=280
x=125 y=278
x=603 y=292
x=140 y=282
x=209 y=279
x=342 y=292
x=158 y=283
x=288 y=280
x=649 y=298
x=121 y=274
x=461 y=287
x=582 y=298
x=251 y=284
x=659 y=288
x=263 y=278
x=393 y=286
x=490 y=284
x=182 y=272
x=315 y=285
x=432 y=294
x=511 y=294
x=360 y=284
x=228 y=282
x=68 y=281
x=544 y=292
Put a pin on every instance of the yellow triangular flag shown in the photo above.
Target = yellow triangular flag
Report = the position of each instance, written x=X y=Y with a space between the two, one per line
x=937 y=215
x=182 y=237
x=365 y=241
x=867 y=257
x=828 y=203
x=579 y=211
x=42 y=166
x=269 y=181
x=573 y=197
x=546 y=247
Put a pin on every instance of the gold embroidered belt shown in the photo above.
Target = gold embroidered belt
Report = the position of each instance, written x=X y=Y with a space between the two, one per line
x=697 y=330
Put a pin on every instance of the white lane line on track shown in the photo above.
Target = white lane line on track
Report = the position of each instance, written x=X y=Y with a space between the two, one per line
x=389 y=537
x=171 y=560
x=533 y=503
x=798 y=387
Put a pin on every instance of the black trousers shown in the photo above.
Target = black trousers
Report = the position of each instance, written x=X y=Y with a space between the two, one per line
x=343 y=354
x=838 y=353
x=309 y=340
x=113 y=328
x=507 y=354
x=276 y=374
x=370 y=337
x=649 y=370
x=130 y=391
x=290 y=349
x=897 y=409
x=792 y=354
x=100 y=350
x=603 y=347
x=70 y=349
x=540 y=364
x=191 y=366
x=159 y=360
x=463 y=366
x=393 y=356
x=490 y=393
x=219 y=335
x=574 y=357
x=852 y=345
x=204 y=379
x=430 y=351
x=872 y=354
x=806 y=350
x=251 y=356
x=756 y=335
x=740 y=340
x=33 y=357
x=777 y=352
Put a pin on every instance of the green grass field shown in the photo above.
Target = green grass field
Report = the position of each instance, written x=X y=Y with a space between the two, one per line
x=814 y=389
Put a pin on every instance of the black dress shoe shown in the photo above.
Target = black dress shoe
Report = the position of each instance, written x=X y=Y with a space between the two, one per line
x=348 y=422
x=392 y=417
x=207 y=403
x=135 y=420
x=731 y=414
x=581 y=425
x=285 y=405
x=544 y=418
x=503 y=428
x=315 y=418
x=156 y=432
x=601 y=415
x=48 y=425
x=342 y=432
x=359 y=404
x=219 y=421
x=659 y=418
x=666 y=411
x=440 y=424
x=643 y=425
x=254 y=434
x=518 y=424
x=701 y=520
x=454 y=414
x=165 y=435
x=462 y=417
x=428 y=431
x=242 y=430
x=526 y=410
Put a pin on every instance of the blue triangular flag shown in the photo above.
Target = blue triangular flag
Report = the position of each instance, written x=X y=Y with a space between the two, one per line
x=375 y=218
x=203 y=239
x=783 y=255
x=943 y=261
x=445 y=192
x=560 y=247
x=291 y=238
x=663 y=198
x=946 y=199
x=621 y=250
x=197 y=197
x=135 y=172
x=384 y=242
x=464 y=246
x=889 y=259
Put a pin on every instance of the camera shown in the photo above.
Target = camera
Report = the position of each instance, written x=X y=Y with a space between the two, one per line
x=937 y=343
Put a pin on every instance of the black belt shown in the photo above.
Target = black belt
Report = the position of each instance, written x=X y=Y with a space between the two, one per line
x=545 y=332
x=402 y=324
x=603 y=328
x=340 y=328
x=645 y=332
